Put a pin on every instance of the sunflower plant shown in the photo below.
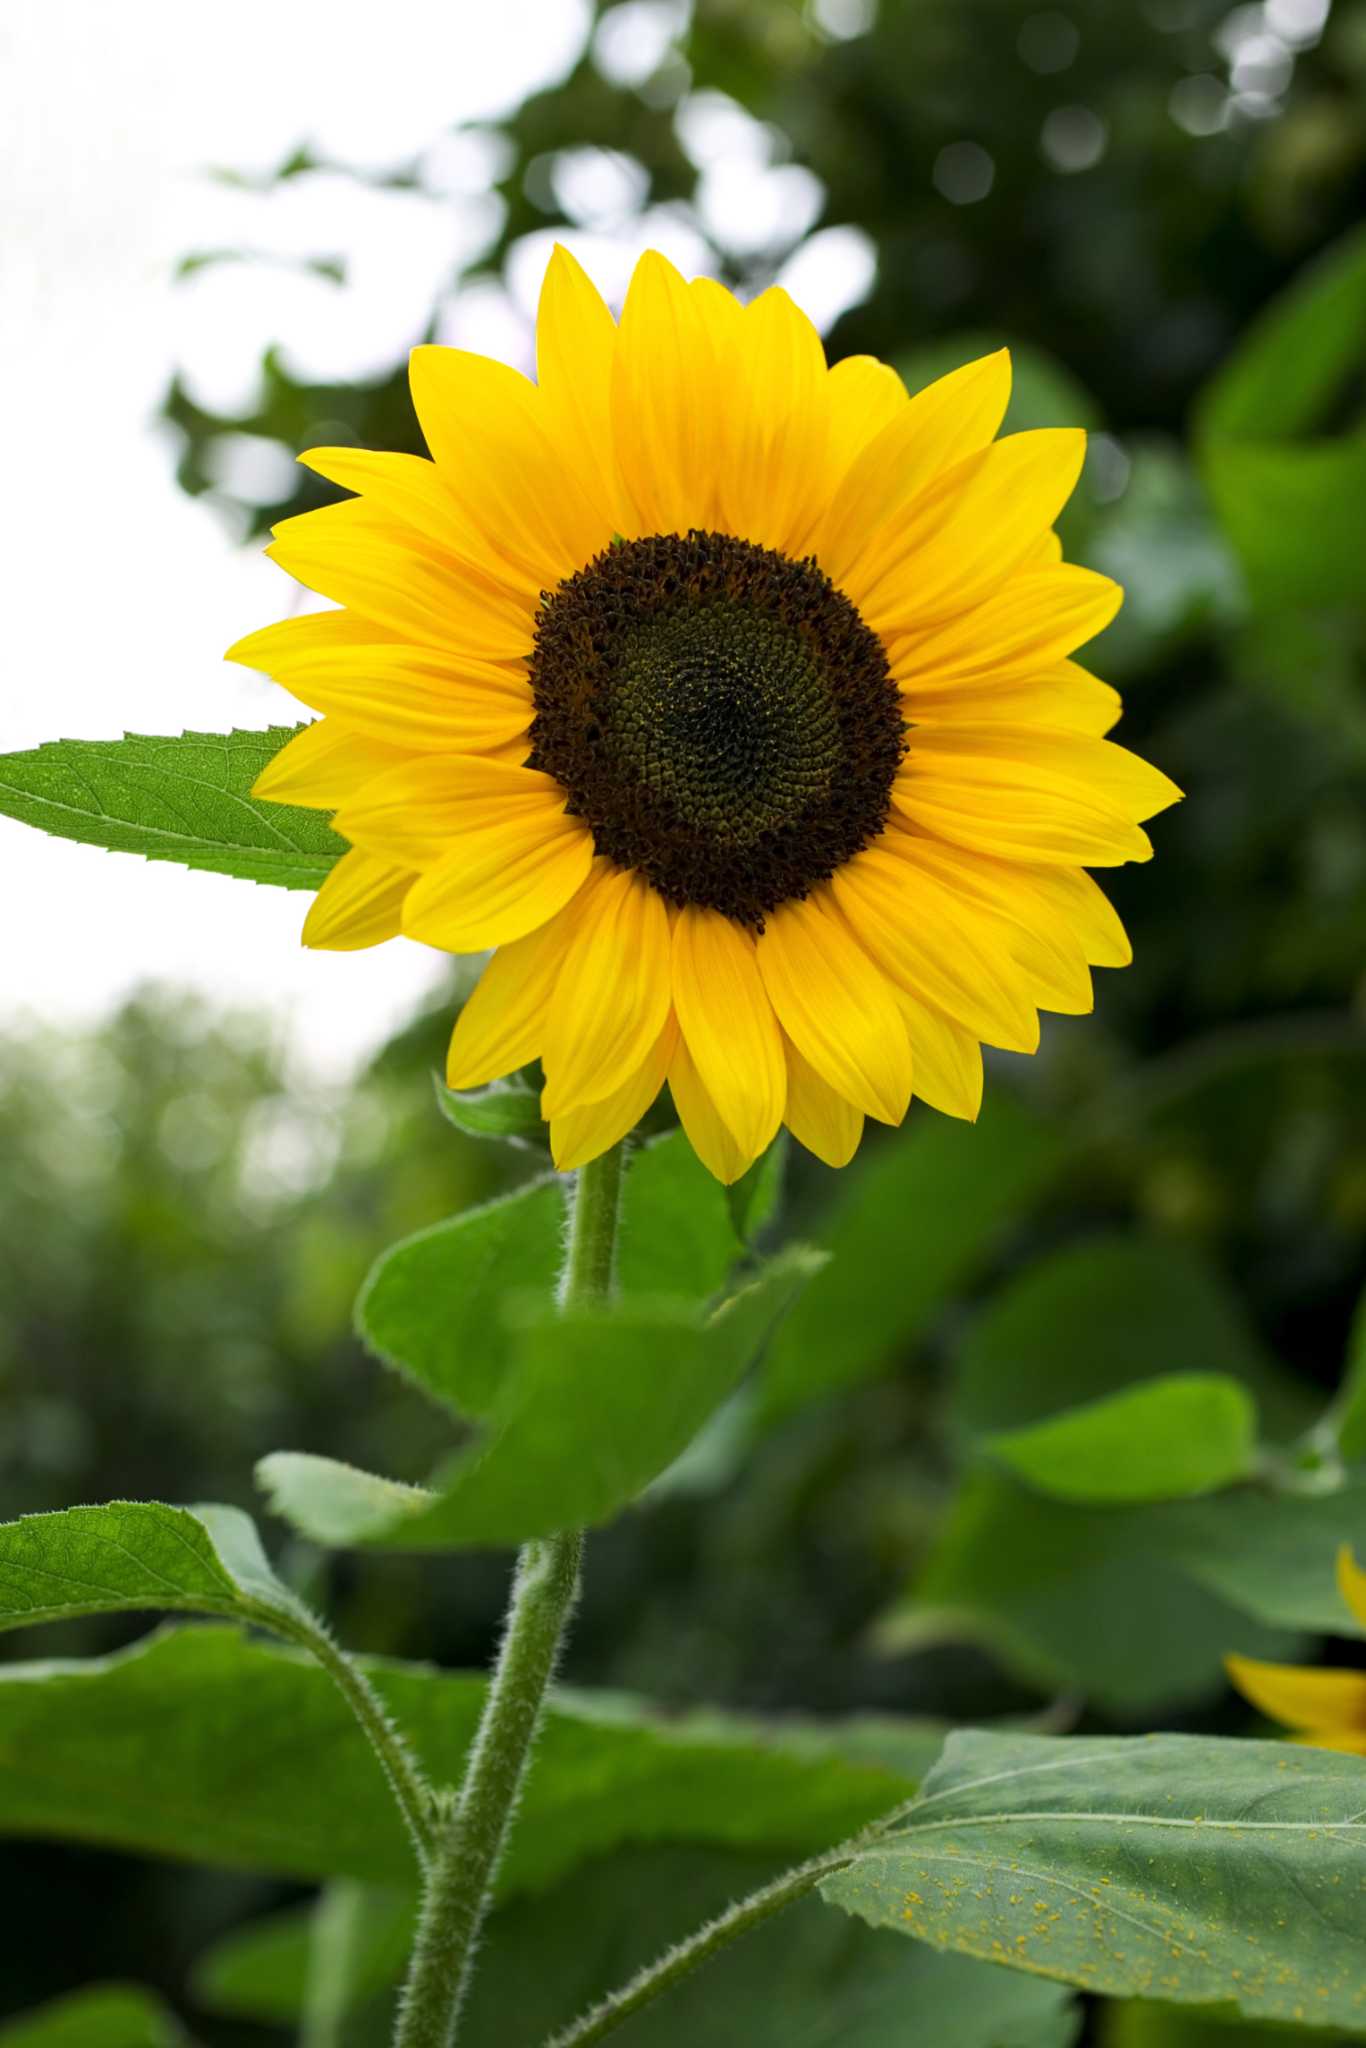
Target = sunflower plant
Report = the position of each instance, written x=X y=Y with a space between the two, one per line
x=726 y=701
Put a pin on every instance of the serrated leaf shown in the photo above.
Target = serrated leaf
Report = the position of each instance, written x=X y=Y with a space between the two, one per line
x=135 y=1557
x=1184 y=1868
x=103 y=2016
x=957 y=1186
x=594 y=1403
x=202 y=1744
x=185 y=799
x=505 y=1109
x=806 y=1978
x=1173 y=1437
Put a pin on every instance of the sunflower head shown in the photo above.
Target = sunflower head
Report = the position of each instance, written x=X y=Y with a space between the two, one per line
x=727 y=697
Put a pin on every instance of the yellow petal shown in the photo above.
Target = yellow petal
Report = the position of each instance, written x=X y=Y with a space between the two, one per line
x=1300 y=1698
x=413 y=491
x=422 y=809
x=502 y=1026
x=941 y=425
x=345 y=553
x=498 y=884
x=710 y=1138
x=582 y=1134
x=1352 y=1585
x=612 y=997
x=1035 y=618
x=772 y=472
x=863 y=396
x=727 y=1020
x=946 y=1059
x=416 y=698
x=360 y=904
x=913 y=938
x=1062 y=901
x=487 y=430
x=1064 y=698
x=304 y=639
x=666 y=401
x=576 y=339
x=836 y=1007
x=817 y=1115
x=963 y=536
x=323 y=766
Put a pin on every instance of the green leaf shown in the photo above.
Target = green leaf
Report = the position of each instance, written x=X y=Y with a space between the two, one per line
x=677 y=1233
x=104 y=2016
x=1277 y=478
x=1183 y=1868
x=185 y=799
x=754 y=1198
x=261 y=1971
x=136 y=1556
x=1350 y=1407
x=1185 y=1434
x=202 y=1744
x=1272 y=1555
x=509 y=1109
x=1082 y=1599
x=807 y=1977
x=431 y=1306
x=1102 y=1317
x=910 y=1226
x=594 y=1404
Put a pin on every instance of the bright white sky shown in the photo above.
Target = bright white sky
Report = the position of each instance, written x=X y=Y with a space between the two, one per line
x=120 y=592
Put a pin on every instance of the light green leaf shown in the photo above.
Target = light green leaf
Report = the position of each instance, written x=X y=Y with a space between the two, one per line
x=1185 y=1434
x=1103 y=1316
x=677 y=1234
x=908 y=1228
x=808 y=1978
x=186 y=799
x=135 y=1557
x=104 y=2016
x=509 y=1109
x=1082 y=1599
x=595 y=1403
x=1278 y=481
x=261 y=1971
x=202 y=1744
x=432 y=1306
x=1184 y=1868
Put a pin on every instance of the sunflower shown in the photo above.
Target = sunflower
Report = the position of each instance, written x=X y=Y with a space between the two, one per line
x=727 y=697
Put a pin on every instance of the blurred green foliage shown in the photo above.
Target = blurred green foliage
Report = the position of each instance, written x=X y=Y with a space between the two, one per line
x=1179 y=1182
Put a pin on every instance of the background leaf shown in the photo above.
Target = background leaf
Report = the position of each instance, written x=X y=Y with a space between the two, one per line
x=1181 y=1868
x=185 y=799
x=105 y=2016
x=200 y=1744
x=1184 y=1434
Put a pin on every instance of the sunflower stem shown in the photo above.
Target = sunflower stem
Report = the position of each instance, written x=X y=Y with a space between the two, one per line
x=471 y=1838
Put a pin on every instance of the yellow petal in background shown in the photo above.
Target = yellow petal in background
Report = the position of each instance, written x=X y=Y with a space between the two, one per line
x=710 y=1137
x=502 y=1025
x=727 y=1019
x=862 y=397
x=360 y=904
x=578 y=1135
x=1301 y=1698
x=1352 y=1583
x=576 y=339
x=836 y=1007
x=817 y=1115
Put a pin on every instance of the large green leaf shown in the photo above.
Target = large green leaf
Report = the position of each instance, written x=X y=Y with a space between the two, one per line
x=908 y=1228
x=104 y=2016
x=1186 y=1434
x=1104 y=1316
x=1272 y=1555
x=1278 y=481
x=808 y=1977
x=186 y=799
x=204 y=1745
x=136 y=1556
x=1183 y=1868
x=1083 y=1599
x=594 y=1403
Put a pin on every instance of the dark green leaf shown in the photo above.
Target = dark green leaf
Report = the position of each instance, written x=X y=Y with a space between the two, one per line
x=1185 y=1434
x=1183 y=1868
x=505 y=1109
x=204 y=1745
x=1104 y=1316
x=754 y=1198
x=260 y=1971
x=1272 y=1555
x=1080 y=1599
x=104 y=2016
x=185 y=799
x=908 y=1229
x=1350 y=1408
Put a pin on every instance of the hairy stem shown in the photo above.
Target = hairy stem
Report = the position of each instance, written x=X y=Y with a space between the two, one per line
x=464 y=1862
x=687 y=1956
